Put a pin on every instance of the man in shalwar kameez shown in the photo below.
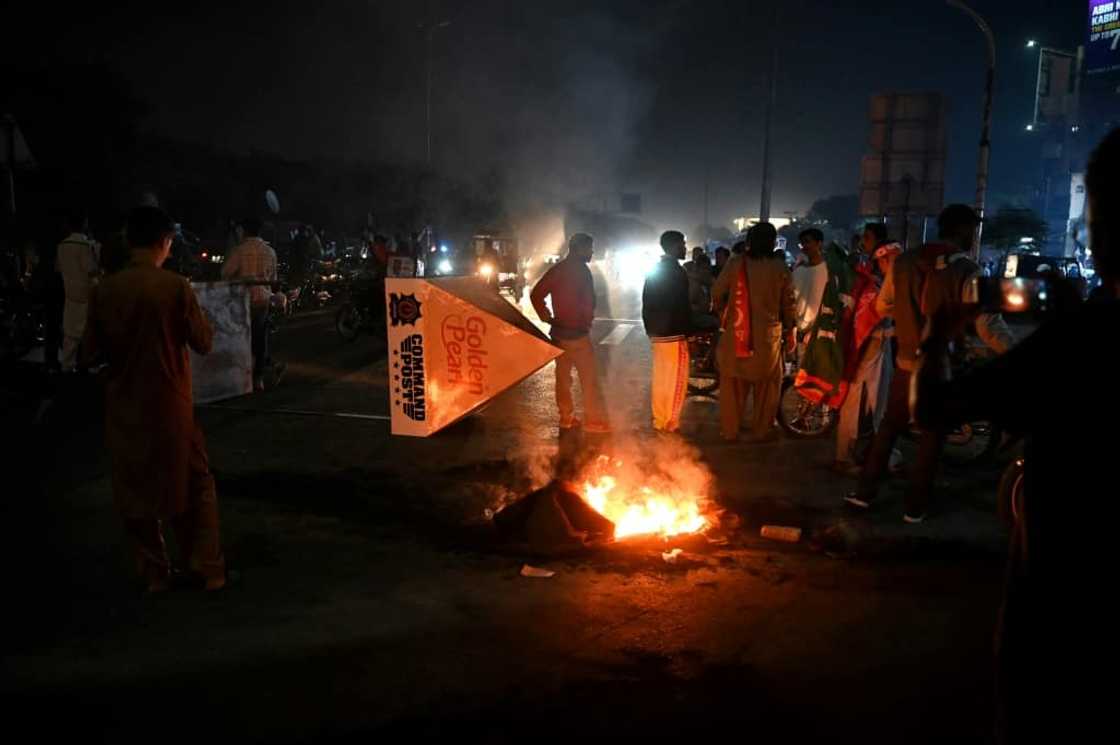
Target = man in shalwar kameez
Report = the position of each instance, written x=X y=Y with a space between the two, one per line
x=754 y=294
x=143 y=322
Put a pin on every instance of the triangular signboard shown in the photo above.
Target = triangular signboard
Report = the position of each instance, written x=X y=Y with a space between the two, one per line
x=453 y=346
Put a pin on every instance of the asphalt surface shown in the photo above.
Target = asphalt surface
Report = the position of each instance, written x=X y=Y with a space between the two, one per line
x=376 y=600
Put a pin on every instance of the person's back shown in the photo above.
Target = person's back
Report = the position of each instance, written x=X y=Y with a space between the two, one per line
x=253 y=260
x=142 y=325
x=143 y=322
x=77 y=264
x=926 y=280
x=770 y=283
x=571 y=288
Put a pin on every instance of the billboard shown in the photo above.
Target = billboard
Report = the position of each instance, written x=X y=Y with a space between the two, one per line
x=904 y=172
x=454 y=345
x=1102 y=50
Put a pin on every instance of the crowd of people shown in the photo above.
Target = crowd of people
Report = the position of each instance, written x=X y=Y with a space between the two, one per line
x=876 y=334
x=851 y=322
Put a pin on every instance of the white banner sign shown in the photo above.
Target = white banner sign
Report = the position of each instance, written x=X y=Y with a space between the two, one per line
x=228 y=370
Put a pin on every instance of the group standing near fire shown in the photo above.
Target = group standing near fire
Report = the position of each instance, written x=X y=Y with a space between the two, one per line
x=836 y=314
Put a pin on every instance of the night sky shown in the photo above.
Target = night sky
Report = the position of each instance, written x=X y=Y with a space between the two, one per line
x=567 y=100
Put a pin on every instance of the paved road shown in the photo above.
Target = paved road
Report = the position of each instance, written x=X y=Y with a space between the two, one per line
x=376 y=601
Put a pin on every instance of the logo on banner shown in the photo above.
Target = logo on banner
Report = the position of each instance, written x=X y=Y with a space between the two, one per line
x=467 y=358
x=404 y=309
x=408 y=377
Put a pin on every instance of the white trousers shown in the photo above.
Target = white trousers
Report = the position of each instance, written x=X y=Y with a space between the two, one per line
x=869 y=392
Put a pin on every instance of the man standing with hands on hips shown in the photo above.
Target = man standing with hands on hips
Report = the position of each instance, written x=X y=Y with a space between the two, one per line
x=572 y=289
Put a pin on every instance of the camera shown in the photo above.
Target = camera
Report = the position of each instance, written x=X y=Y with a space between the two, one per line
x=1019 y=295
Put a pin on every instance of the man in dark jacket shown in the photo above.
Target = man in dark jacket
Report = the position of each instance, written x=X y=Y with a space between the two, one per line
x=668 y=319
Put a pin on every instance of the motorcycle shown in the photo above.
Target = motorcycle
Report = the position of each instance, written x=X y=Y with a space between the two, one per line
x=318 y=290
x=363 y=310
x=703 y=364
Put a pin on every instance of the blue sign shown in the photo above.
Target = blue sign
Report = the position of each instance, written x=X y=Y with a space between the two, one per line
x=1102 y=50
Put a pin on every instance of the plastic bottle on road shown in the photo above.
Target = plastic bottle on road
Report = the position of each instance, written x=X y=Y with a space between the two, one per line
x=781 y=533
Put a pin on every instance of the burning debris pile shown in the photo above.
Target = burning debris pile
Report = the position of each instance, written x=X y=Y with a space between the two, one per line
x=638 y=503
x=656 y=492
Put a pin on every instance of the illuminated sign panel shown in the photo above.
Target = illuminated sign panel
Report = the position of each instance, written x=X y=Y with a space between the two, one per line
x=1102 y=50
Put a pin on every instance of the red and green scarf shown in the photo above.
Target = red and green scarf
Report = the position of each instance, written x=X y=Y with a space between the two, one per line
x=821 y=377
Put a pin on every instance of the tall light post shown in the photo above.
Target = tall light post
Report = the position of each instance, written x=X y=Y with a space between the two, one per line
x=771 y=102
x=429 y=30
x=986 y=127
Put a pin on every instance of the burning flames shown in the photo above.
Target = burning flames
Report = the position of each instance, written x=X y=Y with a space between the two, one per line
x=665 y=508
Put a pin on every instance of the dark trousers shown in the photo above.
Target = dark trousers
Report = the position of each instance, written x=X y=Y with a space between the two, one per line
x=52 y=320
x=896 y=422
x=262 y=359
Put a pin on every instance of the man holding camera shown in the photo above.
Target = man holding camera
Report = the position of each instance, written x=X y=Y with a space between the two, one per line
x=937 y=277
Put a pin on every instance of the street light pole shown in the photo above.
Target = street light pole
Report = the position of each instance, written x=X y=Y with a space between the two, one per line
x=429 y=30
x=986 y=128
x=771 y=101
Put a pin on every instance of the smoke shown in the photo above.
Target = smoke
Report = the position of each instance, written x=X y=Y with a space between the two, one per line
x=574 y=136
x=552 y=103
x=665 y=466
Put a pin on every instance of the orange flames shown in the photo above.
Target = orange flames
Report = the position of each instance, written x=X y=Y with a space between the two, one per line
x=660 y=506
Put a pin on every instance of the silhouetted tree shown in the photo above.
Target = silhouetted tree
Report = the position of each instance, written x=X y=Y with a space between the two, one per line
x=1007 y=227
x=838 y=211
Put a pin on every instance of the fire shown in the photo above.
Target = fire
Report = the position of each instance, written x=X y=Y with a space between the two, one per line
x=644 y=510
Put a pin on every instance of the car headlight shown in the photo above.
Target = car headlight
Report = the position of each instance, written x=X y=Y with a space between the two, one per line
x=486 y=270
x=444 y=267
x=633 y=265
